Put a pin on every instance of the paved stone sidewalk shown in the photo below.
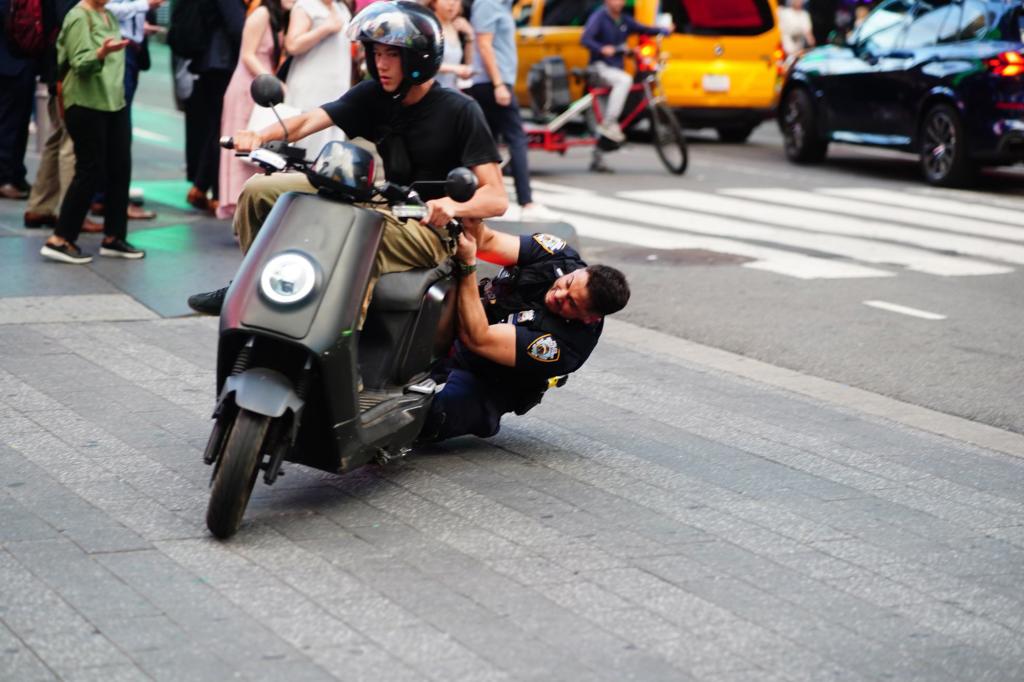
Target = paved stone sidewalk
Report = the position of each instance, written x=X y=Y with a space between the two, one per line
x=653 y=520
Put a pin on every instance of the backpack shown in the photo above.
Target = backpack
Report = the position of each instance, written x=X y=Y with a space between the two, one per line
x=23 y=25
x=191 y=24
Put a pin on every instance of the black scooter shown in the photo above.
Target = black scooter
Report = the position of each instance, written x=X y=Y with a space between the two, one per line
x=290 y=356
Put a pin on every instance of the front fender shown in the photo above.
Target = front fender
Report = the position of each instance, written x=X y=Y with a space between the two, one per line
x=263 y=391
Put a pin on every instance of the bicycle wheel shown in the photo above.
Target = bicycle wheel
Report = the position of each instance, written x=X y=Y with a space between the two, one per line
x=669 y=141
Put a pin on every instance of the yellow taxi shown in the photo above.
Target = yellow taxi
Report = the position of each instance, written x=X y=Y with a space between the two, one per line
x=725 y=59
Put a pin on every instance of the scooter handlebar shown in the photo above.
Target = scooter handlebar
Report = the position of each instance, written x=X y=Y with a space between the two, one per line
x=227 y=142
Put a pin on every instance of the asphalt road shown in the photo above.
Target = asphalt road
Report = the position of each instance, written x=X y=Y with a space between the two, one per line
x=970 y=364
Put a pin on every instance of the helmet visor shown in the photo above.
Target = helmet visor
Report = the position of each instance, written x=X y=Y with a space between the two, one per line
x=388 y=24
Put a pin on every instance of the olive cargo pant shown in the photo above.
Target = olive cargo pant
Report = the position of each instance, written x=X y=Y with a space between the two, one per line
x=405 y=245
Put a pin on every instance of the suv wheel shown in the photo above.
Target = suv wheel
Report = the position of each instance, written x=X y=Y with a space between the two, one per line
x=943 y=148
x=801 y=139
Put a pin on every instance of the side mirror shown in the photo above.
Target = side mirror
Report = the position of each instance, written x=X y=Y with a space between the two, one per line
x=266 y=90
x=460 y=184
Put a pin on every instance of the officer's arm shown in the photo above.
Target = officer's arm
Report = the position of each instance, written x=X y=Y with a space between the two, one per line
x=493 y=246
x=496 y=342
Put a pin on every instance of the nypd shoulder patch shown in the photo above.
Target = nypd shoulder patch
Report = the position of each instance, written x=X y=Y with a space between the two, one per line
x=549 y=242
x=544 y=349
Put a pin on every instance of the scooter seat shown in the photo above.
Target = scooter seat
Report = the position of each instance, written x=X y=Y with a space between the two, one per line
x=404 y=291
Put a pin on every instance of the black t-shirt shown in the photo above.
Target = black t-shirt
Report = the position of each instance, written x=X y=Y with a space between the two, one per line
x=546 y=345
x=423 y=141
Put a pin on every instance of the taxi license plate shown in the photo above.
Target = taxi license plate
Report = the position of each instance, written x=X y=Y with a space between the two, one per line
x=715 y=82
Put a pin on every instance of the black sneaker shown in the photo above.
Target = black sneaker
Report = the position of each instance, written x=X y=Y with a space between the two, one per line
x=208 y=303
x=600 y=167
x=119 y=248
x=65 y=253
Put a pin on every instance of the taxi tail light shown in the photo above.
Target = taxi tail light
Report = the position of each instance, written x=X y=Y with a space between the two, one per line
x=779 y=58
x=1007 y=64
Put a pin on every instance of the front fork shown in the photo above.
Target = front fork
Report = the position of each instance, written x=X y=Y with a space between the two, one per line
x=283 y=431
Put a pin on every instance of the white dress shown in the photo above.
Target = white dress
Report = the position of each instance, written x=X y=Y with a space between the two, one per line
x=321 y=74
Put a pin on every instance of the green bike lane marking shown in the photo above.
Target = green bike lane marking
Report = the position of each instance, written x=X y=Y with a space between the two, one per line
x=158 y=126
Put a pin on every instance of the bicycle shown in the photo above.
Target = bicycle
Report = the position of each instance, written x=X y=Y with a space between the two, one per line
x=668 y=138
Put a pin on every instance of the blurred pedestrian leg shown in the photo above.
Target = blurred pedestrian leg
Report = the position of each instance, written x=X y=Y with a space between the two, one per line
x=102 y=143
x=204 y=108
x=17 y=90
x=56 y=168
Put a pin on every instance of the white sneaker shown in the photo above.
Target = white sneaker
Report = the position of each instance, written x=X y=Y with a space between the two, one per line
x=538 y=213
x=612 y=131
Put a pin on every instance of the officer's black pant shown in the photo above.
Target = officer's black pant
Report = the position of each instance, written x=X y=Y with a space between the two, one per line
x=466 y=405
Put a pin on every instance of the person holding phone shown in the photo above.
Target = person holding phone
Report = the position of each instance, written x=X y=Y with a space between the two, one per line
x=90 y=65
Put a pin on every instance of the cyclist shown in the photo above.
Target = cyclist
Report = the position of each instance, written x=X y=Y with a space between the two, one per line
x=605 y=35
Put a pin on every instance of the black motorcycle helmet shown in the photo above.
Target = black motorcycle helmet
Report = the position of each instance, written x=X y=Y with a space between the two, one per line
x=344 y=169
x=405 y=25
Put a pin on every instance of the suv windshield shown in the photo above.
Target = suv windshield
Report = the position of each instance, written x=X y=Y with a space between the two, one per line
x=720 y=17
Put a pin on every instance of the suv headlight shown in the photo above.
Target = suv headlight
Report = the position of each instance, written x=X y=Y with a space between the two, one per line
x=287 y=278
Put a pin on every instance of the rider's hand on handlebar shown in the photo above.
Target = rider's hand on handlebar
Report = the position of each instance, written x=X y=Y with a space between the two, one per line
x=608 y=50
x=441 y=212
x=247 y=140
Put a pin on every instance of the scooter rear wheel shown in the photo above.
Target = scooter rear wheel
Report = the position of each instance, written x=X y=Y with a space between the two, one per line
x=236 y=473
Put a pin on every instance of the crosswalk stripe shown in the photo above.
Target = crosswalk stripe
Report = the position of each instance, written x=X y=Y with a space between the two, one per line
x=851 y=225
x=904 y=310
x=976 y=212
x=768 y=259
x=864 y=209
x=858 y=249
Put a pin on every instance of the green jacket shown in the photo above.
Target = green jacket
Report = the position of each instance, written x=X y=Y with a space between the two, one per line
x=88 y=81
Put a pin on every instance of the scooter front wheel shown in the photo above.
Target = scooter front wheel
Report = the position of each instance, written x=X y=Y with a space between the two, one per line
x=236 y=473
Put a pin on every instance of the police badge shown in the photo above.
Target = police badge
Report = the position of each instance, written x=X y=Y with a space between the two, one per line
x=544 y=349
x=525 y=316
x=549 y=242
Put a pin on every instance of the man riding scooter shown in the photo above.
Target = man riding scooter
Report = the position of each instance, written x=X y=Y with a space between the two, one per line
x=422 y=131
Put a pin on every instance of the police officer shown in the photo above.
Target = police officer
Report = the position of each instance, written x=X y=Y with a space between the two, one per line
x=536 y=321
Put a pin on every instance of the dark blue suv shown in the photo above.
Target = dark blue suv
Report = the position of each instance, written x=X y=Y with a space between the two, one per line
x=940 y=78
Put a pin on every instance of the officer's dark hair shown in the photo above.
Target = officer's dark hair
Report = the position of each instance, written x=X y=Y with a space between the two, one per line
x=608 y=289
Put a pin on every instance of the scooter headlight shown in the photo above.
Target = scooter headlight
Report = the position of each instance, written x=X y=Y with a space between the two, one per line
x=288 y=278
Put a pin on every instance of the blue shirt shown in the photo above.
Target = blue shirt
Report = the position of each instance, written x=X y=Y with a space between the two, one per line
x=495 y=17
x=601 y=30
x=131 y=16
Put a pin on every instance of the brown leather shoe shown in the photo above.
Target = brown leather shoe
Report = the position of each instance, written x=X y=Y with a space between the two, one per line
x=198 y=199
x=11 y=191
x=40 y=219
x=139 y=213
x=91 y=226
